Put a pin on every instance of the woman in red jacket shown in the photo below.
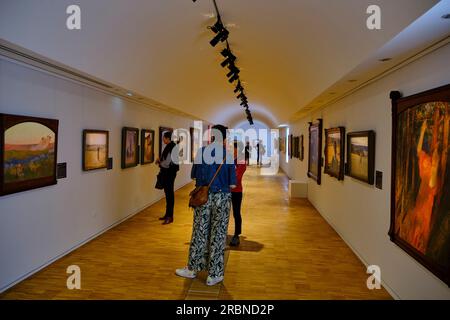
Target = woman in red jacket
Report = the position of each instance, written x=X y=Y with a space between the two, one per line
x=236 y=193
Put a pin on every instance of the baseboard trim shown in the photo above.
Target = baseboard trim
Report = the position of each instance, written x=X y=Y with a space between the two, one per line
x=83 y=242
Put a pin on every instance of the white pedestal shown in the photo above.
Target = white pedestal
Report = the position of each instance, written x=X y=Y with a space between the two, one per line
x=298 y=189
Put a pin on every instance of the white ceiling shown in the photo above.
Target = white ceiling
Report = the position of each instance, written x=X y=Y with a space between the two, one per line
x=289 y=51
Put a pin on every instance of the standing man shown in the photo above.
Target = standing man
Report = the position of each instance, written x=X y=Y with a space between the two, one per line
x=258 y=155
x=168 y=171
x=248 y=149
x=210 y=225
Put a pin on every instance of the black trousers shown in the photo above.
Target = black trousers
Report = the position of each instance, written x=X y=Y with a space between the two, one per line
x=236 y=200
x=169 y=182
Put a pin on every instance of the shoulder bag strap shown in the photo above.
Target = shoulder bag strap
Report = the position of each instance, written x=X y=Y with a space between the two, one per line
x=215 y=175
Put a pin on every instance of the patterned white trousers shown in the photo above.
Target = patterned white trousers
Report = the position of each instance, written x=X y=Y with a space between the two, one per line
x=209 y=234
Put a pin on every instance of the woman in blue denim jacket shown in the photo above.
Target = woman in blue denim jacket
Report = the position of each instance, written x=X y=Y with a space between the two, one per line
x=210 y=226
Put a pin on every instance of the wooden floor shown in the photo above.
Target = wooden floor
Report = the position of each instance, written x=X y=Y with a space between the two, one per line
x=287 y=251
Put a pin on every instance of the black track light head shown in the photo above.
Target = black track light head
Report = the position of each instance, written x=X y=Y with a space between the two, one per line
x=240 y=95
x=234 y=71
x=221 y=33
x=239 y=87
x=230 y=58
x=233 y=78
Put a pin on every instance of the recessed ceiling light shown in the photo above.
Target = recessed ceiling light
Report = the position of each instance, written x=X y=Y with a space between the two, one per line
x=385 y=59
x=446 y=16
x=352 y=80
x=129 y=94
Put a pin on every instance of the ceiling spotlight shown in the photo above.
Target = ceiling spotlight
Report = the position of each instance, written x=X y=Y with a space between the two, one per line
x=230 y=57
x=385 y=59
x=233 y=71
x=233 y=78
x=221 y=33
x=241 y=95
x=129 y=94
x=239 y=87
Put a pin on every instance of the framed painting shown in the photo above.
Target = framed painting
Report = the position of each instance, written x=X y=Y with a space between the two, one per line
x=161 y=134
x=294 y=147
x=182 y=139
x=315 y=147
x=282 y=144
x=130 y=147
x=420 y=186
x=196 y=142
x=361 y=156
x=334 y=152
x=302 y=148
x=147 y=146
x=290 y=146
x=29 y=148
x=95 y=149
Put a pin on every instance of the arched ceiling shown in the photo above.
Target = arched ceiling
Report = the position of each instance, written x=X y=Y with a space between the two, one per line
x=289 y=51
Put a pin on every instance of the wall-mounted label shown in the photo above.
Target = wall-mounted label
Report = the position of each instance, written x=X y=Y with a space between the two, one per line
x=110 y=164
x=61 y=170
x=379 y=179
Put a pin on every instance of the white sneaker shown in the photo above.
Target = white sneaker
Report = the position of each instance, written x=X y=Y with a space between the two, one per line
x=186 y=273
x=210 y=281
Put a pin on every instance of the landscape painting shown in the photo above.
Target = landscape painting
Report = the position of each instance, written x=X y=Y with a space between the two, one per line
x=334 y=152
x=95 y=149
x=148 y=146
x=315 y=146
x=29 y=150
x=420 y=211
x=130 y=147
x=361 y=155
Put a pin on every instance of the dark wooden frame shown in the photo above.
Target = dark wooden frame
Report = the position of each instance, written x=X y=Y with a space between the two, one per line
x=370 y=134
x=302 y=148
x=152 y=133
x=297 y=147
x=6 y=122
x=341 y=173
x=124 y=139
x=83 y=159
x=399 y=105
x=291 y=146
x=161 y=130
x=315 y=126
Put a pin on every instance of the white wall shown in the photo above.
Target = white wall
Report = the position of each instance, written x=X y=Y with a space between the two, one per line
x=39 y=225
x=361 y=213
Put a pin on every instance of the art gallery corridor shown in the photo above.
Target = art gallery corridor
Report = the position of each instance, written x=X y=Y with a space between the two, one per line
x=288 y=251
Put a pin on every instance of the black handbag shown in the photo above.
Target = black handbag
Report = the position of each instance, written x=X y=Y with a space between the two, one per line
x=159 y=181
